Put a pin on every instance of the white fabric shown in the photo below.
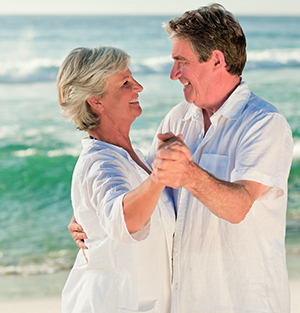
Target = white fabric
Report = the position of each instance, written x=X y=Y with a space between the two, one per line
x=218 y=266
x=125 y=273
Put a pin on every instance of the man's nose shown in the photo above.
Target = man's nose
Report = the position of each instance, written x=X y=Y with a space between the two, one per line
x=175 y=72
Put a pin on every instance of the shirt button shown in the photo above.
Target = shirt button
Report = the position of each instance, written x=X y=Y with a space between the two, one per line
x=176 y=286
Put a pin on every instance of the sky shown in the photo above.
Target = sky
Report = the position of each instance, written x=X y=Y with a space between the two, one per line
x=176 y=7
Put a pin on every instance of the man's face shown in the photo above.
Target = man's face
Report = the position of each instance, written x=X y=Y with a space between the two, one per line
x=196 y=77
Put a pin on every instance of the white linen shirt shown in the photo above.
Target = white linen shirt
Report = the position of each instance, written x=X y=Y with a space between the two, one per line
x=125 y=273
x=218 y=266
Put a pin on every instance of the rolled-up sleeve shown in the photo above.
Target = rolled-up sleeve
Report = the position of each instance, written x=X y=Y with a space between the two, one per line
x=103 y=183
x=264 y=154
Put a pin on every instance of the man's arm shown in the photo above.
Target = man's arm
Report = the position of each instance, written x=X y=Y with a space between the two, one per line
x=174 y=167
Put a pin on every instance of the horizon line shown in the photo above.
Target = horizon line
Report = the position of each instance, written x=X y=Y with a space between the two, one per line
x=261 y=14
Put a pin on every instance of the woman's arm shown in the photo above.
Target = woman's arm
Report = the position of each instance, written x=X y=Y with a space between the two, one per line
x=139 y=204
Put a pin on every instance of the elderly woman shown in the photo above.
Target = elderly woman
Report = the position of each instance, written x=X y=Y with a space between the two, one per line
x=128 y=218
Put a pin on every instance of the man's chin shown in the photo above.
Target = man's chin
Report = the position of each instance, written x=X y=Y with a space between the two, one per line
x=188 y=98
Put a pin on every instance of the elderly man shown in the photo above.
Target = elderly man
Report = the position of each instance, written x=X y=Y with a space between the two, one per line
x=228 y=169
x=229 y=173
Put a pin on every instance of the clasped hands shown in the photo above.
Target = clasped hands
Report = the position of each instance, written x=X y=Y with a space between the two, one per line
x=173 y=163
x=172 y=167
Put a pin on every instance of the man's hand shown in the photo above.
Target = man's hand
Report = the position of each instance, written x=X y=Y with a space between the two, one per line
x=173 y=162
x=77 y=233
x=174 y=167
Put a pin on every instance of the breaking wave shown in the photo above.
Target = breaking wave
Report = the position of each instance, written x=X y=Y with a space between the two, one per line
x=44 y=70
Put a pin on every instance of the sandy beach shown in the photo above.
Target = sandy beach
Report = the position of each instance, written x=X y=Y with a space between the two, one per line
x=42 y=293
x=48 y=305
x=295 y=296
x=52 y=305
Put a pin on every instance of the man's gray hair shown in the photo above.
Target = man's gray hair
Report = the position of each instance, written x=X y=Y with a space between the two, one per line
x=212 y=28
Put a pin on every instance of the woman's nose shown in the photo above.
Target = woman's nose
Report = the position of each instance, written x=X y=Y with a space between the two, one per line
x=138 y=86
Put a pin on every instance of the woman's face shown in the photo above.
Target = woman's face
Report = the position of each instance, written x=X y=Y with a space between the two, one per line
x=121 y=100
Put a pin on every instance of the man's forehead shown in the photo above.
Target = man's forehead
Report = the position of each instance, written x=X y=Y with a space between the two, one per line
x=181 y=50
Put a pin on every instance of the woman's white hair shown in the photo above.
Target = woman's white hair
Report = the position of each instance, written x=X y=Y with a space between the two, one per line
x=82 y=75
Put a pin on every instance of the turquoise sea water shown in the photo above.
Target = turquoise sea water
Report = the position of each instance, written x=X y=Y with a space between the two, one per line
x=38 y=149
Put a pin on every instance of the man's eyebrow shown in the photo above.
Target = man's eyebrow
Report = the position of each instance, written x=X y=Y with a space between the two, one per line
x=179 y=58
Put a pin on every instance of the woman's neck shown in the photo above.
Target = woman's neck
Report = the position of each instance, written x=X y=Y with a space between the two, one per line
x=113 y=134
x=120 y=139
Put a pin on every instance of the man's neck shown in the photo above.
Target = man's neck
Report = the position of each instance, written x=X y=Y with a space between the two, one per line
x=226 y=89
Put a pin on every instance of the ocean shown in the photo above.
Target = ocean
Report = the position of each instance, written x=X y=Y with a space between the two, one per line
x=38 y=148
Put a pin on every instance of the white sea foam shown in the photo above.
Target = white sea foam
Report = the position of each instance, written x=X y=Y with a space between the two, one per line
x=26 y=71
x=9 y=131
x=26 y=270
x=60 y=152
x=55 y=261
x=296 y=152
x=45 y=69
x=273 y=58
x=25 y=153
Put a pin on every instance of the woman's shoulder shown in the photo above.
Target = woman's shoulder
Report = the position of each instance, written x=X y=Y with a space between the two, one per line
x=101 y=150
x=100 y=155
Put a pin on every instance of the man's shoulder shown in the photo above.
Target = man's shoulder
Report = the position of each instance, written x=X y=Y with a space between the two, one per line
x=257 y=103
x=243 y=101
x=258 y=110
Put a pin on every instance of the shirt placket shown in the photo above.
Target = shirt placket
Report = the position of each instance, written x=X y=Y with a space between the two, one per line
x=183 y=201
x=177 y=238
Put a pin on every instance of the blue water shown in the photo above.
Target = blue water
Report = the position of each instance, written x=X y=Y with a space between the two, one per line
x=38 y=149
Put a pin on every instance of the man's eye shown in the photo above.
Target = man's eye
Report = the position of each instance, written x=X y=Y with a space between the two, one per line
x=125 y=83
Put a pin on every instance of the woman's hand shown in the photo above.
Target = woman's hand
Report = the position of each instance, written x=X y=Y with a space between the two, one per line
x=77 y=233
x=173 y=163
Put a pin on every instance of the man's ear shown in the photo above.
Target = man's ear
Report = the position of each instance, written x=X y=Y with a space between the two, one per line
x=219 y=59
x=94 y=102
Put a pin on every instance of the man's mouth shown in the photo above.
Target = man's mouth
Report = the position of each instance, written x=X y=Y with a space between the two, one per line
x=134 y=100
x=186 y=84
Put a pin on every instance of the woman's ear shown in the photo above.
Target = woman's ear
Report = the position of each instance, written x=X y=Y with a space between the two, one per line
x=95 y=103
x=219 y=59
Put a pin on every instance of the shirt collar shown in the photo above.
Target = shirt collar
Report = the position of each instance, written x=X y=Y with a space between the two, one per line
x=193 y=113
x=232 y=108
x=92 y=143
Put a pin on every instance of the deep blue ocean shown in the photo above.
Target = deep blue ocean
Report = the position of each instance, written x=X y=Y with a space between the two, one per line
x=38 y=149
